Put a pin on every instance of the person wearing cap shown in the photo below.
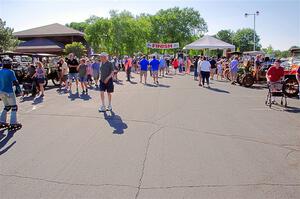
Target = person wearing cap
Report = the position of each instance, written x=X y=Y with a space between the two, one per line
x=7 y=95
x=106 y=81
x=274 y=76
x=234 y=67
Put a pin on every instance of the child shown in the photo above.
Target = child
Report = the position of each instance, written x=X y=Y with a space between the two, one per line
x=82 y=70
x=175 y=65
x=40 y=75
x=89 y=72
x=7 y=95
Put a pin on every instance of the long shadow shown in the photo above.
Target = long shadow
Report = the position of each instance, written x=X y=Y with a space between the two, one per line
x=168 y=77
x=85 y=97
x=118 y=83
x=3 y=143
x=163 y=86
x=218 y=90
x=131 y=82
x=38 y=100
x=27 y=98
x=116 y=122
x=291 y=109
x=151 y=85
x=73 y=97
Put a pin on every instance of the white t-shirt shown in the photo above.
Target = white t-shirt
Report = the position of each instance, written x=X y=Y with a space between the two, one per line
x=204 y=66
x=65 y=68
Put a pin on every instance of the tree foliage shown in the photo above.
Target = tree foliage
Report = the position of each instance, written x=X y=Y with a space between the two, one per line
x=243 y=39
x=76 y=47
x=225 y=35
x=123 y=33
x=7 y=40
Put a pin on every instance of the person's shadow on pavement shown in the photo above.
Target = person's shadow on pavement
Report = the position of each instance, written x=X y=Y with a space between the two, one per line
x=116 y=122
x=4 y=140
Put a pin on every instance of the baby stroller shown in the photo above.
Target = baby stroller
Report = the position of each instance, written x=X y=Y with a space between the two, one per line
x=275 y=89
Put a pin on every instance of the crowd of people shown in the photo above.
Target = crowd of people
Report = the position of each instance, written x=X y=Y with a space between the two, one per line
x=102 y=72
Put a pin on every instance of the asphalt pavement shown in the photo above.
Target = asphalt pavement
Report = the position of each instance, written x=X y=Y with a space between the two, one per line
x=174 y=141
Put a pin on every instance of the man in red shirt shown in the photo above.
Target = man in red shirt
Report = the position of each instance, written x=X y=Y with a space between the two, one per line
x=274 y=76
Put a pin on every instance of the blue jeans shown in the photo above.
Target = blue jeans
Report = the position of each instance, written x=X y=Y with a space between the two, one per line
x=9 y=101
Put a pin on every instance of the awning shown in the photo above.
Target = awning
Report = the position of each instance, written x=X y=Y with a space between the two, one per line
x=208 y=42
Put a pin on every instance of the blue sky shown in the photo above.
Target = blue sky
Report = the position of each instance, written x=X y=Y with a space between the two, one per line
x=278 y=24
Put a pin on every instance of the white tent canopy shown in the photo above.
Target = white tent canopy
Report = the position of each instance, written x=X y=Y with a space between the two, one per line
x=209 y=42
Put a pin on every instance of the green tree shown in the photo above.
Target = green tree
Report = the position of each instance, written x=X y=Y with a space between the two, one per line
x=177 y=25
x=76 y=47
x=7 y=40
x=98 y=35
x=243 y=39
x=80 y=26
x=225 y=35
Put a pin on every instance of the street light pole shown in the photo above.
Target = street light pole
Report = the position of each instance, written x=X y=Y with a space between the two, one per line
x=254 y=15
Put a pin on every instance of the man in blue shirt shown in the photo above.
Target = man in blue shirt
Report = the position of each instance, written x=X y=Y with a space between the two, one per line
x=7 y=81
x=143 y=68
x=234 y=69
x=155 y=66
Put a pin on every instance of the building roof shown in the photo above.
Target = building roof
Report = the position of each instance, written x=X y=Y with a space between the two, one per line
x=48 y=30
x=40 y=45
x=209 y=42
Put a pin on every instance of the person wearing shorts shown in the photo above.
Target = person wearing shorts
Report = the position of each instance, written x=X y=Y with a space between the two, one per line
x=65 y=73
x=96 y=72
x=106 y=81
x=155 y=66
x=234 y=67
x=73 y=71
x=143 y=69
x=7 y=95
x=40 y=75
x=82 y=75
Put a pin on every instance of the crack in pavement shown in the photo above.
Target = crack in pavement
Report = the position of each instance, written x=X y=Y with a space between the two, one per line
x=66 y=183
x=222 y=185
x=144 y=162
x=90 y=117
x=239 y=137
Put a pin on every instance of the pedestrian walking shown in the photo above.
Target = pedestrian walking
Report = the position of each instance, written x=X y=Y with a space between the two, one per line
x=188 y=65
x=82 y=70
x=40 y=75
x=106 y=81
x=128 y=66
x=195 y=63
x=155 y=66
x=175 y=64
x=73 y=71
x=204 y=69
x=65 y=72
x=96 y=71
x=234 y=69
x=162 y=66
x=213 y=69
x=144 y=63
x=89 y=72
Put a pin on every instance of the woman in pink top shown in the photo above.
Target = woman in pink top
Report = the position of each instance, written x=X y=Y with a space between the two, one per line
x=188 y=63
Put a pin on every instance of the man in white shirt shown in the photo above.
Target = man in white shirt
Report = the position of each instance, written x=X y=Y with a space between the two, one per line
x=204 y=69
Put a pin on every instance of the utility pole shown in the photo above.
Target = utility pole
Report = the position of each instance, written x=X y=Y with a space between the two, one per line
x=254 y=15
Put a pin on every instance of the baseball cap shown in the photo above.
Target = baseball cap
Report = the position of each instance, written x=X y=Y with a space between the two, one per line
x=103 y=54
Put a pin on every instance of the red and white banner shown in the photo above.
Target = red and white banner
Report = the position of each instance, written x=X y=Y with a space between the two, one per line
x=163 y=46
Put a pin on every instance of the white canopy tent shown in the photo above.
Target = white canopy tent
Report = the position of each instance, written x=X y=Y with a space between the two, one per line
x=209 y=42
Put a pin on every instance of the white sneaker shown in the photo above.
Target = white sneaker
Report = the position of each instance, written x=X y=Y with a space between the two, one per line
x=109 y=108
x=102 y=109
